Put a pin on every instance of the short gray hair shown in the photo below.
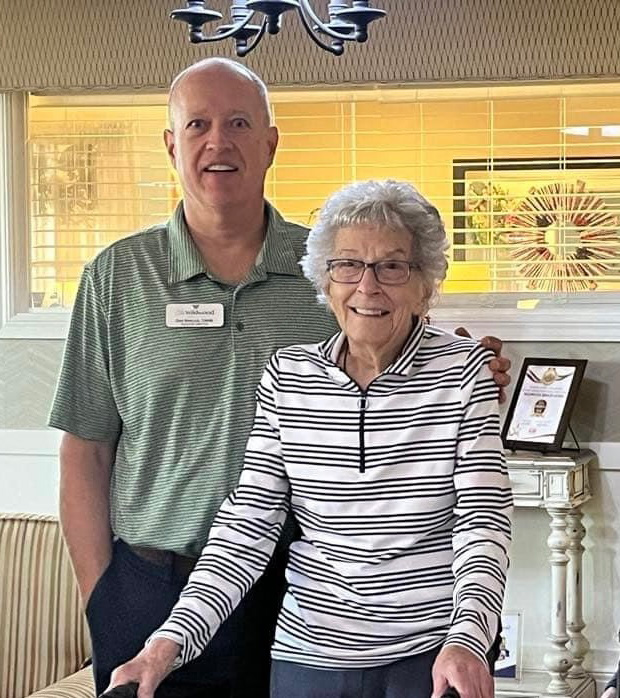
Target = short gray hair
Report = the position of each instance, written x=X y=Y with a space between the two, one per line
x=390 y=204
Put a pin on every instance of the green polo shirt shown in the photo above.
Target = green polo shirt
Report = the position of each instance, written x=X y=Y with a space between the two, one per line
x=148 y=365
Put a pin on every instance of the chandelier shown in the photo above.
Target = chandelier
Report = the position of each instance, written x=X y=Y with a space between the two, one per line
x=346 y=22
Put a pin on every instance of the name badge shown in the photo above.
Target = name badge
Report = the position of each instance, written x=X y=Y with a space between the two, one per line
x=194 y=315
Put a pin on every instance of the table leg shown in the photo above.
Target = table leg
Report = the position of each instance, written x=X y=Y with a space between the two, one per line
x=558 y=660
x=578 y=645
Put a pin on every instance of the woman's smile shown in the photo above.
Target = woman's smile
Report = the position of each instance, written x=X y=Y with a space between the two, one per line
x=369 y=312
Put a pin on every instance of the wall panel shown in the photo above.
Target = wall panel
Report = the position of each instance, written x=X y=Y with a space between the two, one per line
x=73 y=45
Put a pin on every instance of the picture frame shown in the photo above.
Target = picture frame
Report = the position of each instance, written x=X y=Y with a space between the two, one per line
x=542 y=403
x=508 y=664
x=505 y=221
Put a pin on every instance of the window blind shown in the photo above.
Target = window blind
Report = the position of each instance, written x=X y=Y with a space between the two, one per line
x=527 y=184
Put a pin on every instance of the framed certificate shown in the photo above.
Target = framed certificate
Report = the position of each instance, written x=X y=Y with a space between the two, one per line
x=542 y=404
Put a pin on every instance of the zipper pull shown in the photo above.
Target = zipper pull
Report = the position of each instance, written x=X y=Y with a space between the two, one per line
x=362 y=403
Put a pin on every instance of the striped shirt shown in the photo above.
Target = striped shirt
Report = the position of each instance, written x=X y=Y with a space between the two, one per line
x=402 y=495
x=178 y=401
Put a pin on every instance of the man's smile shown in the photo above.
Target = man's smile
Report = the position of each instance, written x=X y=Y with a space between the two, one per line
x=219 y=167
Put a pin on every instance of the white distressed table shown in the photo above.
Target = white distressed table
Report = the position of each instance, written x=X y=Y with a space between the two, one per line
x=559 y=484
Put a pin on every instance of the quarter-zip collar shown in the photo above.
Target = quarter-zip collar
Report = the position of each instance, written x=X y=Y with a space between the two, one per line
x=402 y=365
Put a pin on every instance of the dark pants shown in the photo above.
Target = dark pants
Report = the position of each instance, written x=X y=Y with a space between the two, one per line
x=407 y=678
x=134 y=597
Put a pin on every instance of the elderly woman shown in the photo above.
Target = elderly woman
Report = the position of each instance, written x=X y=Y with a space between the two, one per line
x=384 y=444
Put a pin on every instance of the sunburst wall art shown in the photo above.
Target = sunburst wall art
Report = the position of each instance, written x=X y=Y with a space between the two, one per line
x=565 y=235
x=540 y=225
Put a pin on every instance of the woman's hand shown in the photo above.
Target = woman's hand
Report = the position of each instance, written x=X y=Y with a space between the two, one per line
x=148 y=668
x=458 y=667
x=609 y=693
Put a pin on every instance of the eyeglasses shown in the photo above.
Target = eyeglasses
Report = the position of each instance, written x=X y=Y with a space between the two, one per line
x=390 y=272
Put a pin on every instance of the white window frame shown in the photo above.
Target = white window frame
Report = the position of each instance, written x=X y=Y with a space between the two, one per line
x=17 y=320
x=511 y=316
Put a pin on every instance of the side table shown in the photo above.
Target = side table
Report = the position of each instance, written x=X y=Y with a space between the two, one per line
x=559 y=484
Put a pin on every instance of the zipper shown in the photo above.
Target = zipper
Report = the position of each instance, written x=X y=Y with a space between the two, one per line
x=363 y=404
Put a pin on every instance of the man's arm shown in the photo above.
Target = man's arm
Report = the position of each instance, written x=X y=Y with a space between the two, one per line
x=85 y=468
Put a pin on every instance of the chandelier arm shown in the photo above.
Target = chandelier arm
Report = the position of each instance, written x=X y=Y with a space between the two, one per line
x=255 y=41
x=305 y=11
x=231 y=32
x=337 y=50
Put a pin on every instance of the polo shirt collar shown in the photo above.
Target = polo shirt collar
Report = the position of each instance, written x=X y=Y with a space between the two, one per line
x=402 y=365
x=184 y=259
x=277 y=255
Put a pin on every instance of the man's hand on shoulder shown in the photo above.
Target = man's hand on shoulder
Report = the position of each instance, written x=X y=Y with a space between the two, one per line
x=499 y=366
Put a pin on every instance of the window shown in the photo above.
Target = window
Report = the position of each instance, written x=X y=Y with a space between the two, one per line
x=526 y=179
x=97 y=173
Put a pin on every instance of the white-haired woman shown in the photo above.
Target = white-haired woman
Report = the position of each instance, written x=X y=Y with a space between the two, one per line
x=384 y=444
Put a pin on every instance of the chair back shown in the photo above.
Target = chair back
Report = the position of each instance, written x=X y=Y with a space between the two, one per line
x=43 y=631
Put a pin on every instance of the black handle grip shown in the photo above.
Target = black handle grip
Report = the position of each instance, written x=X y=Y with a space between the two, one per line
x=125 y=690
x=450 y=692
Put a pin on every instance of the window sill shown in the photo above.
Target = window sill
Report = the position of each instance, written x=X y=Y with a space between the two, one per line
x=559 y=321
x=48 y=324
x=552 y=319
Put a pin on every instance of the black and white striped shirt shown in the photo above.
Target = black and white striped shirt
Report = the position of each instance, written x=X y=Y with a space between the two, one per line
x=402 y=495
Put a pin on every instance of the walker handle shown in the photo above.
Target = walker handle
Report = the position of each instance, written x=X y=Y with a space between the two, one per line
x=450 y=692
x=124 y=690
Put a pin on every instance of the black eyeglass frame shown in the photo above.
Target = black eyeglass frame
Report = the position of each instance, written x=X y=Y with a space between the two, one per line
x=371 y=265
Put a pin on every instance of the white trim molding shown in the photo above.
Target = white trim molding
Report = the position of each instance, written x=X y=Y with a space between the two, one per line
x=29 y=442
x=14 y=237
x=570 y=322
x=545 y=319
x=563 y=318
x=37 y=324
x=29 y=470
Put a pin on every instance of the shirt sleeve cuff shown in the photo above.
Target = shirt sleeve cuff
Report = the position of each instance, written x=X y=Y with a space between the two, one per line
x=472 y=637
x=181 y=658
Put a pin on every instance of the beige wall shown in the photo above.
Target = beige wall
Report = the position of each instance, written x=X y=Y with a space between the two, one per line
x=73 y=44
x=28 y=370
